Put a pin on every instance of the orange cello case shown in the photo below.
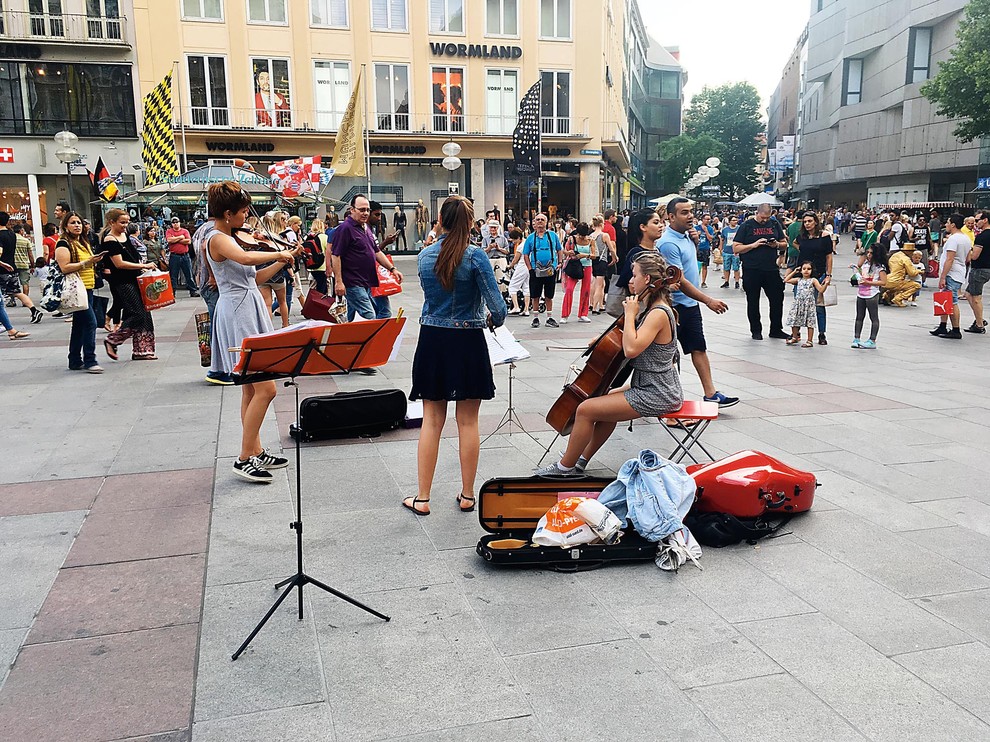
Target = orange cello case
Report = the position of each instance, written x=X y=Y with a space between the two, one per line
x=750 y=484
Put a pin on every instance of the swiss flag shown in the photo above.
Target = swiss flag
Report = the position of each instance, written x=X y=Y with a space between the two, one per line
x=6 y=154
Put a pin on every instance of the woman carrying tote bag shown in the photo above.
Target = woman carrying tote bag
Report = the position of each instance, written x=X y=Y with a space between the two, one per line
x=73 y=255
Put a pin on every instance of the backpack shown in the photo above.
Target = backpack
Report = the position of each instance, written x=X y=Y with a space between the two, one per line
x=314 y=253
x=720 y=529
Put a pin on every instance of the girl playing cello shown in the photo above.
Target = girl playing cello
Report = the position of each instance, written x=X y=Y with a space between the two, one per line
x=649 y=342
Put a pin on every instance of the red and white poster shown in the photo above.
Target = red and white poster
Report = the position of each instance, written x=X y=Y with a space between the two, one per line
x=296 y=177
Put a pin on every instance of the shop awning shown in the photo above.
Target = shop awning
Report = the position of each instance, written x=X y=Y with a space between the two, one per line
x=927 y=205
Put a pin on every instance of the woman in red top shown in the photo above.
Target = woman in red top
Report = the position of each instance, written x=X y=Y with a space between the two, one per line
x=50 y=234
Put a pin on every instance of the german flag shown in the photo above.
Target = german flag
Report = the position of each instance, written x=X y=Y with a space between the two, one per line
x=158 y=141
x=103 y=182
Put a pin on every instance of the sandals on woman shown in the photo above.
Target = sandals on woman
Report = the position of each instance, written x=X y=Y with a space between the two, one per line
x=410 y=504
x=17 y=335
x=111 y=350
x=461 y=499
x=807 y=345
x=144 y=357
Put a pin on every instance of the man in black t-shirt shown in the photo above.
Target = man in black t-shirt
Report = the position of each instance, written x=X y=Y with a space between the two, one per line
x=758 y=243
x=10 y=284
x=979 y=272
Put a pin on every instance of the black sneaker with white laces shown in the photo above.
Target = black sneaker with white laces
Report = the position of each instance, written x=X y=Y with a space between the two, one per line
x=270 y=461
x=251 y=470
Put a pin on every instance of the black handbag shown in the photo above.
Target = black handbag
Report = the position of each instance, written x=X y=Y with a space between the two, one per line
x=574 y=269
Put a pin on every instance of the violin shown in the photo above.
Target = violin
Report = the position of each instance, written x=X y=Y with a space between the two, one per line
x=247 y=239
x=605 y=361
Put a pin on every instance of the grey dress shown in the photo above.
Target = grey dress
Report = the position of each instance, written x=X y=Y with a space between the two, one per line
x=656 y=384
x=240 y=311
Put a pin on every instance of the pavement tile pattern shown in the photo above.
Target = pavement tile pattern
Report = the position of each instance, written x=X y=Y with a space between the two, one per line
x=134 y=564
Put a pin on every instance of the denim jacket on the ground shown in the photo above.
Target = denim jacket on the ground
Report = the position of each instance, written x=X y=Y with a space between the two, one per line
x=474 y=286
x=652 y=492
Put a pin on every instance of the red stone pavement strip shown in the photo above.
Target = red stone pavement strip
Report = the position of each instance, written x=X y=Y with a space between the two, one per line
x=112 y=652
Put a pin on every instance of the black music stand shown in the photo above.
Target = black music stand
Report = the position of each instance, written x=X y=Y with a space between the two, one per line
x=300 y=354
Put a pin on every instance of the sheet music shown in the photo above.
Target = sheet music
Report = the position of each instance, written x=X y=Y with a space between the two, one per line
x=503 y=347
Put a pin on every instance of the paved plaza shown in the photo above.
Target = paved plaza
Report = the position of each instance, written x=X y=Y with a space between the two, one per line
x=134 y=563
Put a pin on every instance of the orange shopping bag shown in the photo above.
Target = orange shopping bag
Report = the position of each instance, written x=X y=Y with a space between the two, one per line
x=156 y=290
x=388 y=285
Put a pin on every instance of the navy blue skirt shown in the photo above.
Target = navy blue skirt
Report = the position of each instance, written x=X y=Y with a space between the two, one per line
x=451 y=364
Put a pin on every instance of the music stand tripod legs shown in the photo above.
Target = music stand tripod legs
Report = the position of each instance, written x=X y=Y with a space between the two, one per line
x=511 y=417
x=300 y=579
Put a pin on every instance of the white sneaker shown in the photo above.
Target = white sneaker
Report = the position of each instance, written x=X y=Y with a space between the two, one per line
x=583 y=319
x=563 y=320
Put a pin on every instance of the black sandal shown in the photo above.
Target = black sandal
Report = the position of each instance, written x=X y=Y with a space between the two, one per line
x=464 y=498
x=413 y=505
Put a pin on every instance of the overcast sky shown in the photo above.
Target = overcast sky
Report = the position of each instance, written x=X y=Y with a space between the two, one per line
x=711 y=33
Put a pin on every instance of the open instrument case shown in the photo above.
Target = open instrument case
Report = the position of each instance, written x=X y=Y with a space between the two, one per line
x=510 y=508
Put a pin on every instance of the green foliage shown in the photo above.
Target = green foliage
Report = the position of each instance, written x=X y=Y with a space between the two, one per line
x=961 y=89
x=683 y=155
x=730 y=114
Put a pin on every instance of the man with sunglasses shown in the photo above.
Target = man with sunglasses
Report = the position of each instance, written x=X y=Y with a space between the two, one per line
x=355 y=255
x=979 y=272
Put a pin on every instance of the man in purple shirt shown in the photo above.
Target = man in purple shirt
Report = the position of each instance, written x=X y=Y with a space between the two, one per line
x=354 y=258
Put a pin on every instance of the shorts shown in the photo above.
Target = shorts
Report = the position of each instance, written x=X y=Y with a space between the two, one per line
x=704 y=257
x=10 y=284
x=977 y=277
x=953 y=285
x=599 y=268
x=731 y=262
x=545 y=287
x=690 y=328
x=24 y=276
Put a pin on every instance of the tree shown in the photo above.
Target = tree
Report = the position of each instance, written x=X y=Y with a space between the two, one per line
x=681 y=156
x=961 y=89
x=730 y=114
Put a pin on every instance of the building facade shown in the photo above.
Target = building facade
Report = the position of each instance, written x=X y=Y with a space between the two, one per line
x=867 y=135
x=64 y=64
x=266 y=80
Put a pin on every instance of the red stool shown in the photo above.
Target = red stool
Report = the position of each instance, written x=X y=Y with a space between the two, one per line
x=699 y=413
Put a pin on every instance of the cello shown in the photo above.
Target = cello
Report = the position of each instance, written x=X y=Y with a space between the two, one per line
x=605 y=362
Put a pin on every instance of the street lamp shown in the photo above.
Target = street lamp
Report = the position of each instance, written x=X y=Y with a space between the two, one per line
x=451 y=161
x=67 y=154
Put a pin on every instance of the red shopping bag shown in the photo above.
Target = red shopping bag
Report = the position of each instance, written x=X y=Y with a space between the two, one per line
x=388 y=284
x=156 y=290
x=943 y=303
x=933 y=268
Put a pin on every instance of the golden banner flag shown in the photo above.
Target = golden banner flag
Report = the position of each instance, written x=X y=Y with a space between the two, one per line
x=348 y=151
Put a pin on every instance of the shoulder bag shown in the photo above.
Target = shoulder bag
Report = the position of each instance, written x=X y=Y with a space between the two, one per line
x=542 y=270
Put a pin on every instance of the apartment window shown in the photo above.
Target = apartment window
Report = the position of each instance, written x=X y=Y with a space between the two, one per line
x=272 y=95
x=555 y=19
x=555 y=102
x=103 y=19
x=502 y=18
x=919 y=64
x=333 y=91
x=331 y=13
x=502 y=100
x=392 y=97
x=202 y=10
x=448 y=99
x=852 y=82
x=266 y=11
x=670 y=85
x=208 y=91
x=42 y=98
x=46 y=18
x=446 y=16
x=388 y=15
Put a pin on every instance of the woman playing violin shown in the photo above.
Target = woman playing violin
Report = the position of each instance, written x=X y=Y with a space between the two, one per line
x=649 y=342
x=241 y=312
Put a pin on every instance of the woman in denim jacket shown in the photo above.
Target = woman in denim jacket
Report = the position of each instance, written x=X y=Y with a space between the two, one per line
x=451 y=362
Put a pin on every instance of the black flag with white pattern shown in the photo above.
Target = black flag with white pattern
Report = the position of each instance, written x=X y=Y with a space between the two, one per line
x=526 y=136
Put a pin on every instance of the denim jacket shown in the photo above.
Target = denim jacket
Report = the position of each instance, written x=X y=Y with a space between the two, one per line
x=474 y=286
x=652 y=492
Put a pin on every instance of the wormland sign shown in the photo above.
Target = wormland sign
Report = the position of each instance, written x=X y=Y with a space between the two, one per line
x=484 y=51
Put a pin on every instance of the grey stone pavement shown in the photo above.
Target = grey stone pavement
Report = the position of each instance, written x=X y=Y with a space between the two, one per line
x=134 y=564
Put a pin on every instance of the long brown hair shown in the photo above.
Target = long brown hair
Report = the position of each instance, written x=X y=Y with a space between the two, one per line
x=654 y=267
x=456 y=218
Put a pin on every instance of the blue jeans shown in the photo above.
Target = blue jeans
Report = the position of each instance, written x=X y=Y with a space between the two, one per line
x=182 y=263
x=4 y=319
x=359 y=301
x=383 y=310
x=82 y=338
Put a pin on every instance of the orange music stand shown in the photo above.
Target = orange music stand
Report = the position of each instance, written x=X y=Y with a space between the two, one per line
x=313 y=348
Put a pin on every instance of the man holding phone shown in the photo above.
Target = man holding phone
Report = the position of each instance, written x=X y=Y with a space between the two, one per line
x=758 y=244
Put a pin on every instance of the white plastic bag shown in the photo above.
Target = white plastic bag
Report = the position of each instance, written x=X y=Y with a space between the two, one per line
x=577 y=520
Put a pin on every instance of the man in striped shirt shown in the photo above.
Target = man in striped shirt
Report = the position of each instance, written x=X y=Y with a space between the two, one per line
x=859 y=225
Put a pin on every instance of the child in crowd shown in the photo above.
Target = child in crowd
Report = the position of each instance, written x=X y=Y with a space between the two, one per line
x=916 y=261
x=872 y=276
x=41 y=271
x=802 y=313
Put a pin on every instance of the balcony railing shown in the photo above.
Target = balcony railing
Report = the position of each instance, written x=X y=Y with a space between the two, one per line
x=296 y=120
x=64 y=28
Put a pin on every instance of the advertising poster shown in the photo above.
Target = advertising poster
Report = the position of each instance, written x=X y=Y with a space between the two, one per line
x=272 y=99
x=448 y=98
